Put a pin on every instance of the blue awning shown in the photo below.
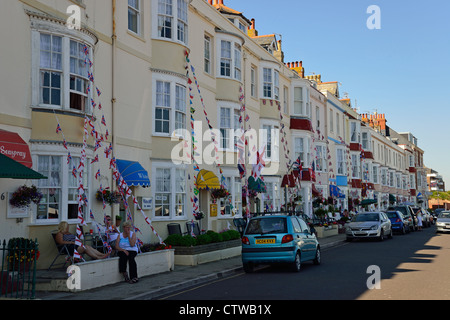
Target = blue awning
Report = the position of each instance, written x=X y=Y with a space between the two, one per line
x=133 y=173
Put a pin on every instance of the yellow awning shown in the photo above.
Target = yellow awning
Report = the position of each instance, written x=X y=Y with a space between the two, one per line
x=207 y=180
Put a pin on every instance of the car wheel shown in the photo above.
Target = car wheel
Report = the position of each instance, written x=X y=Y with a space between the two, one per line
x=390 y=235
x=317 y=259
x=381 y=237
x=297 y=264
x=248 y=267
x=403 y=230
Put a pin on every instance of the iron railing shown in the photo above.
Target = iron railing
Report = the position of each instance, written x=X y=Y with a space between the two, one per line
x=18 y=268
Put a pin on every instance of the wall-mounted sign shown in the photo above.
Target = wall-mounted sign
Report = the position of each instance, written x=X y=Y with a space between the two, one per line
x=147 y=204
x=213 y=210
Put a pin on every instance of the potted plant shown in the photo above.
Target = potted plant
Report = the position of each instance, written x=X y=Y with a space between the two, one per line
x=23 y=196
x=21 y=254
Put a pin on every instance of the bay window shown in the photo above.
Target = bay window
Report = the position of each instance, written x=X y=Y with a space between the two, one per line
x=301 y=102
x=170 y=103
x=230 y=58
x=321 y=161
x=302 y=150
x=170 y=12
x=60 y=74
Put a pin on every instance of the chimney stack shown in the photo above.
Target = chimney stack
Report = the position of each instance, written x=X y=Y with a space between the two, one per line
x=252 y=32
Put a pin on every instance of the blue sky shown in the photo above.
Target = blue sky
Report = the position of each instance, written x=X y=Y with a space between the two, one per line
x=401 y=70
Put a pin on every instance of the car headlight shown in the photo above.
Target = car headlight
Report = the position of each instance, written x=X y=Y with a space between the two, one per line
x=375 y=227
x=440 y=224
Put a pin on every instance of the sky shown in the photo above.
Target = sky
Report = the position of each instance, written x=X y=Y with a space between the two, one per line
x=401 y=69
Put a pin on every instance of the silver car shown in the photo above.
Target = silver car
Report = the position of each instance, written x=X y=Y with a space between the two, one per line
x=369 y=225
x=443 y=222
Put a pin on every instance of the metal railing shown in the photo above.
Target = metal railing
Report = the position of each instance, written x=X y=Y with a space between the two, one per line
x=18 y=268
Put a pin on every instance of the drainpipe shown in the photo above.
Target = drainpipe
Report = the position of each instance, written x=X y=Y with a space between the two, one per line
x=113 y=82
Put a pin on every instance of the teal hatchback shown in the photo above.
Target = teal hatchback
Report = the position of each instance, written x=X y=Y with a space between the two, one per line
x=272 y=239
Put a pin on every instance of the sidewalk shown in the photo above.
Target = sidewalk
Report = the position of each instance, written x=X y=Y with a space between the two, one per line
x=155 y=286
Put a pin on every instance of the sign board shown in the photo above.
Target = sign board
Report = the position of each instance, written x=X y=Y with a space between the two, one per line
x=213 y=210
x=147 y=204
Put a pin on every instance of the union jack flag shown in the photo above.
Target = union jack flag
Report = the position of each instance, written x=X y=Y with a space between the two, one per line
x=58 y=129
x=97 y=175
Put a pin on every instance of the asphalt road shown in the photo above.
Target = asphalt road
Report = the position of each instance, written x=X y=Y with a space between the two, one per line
x=413 y=266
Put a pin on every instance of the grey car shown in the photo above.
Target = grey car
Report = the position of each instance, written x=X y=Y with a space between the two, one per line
x=443 y=222
x=369 y=225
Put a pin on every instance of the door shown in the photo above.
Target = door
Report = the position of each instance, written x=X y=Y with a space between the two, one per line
x=310 y=239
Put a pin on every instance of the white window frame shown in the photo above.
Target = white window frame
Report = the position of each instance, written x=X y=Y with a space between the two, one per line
x=174 y=12
x=65 y=176
x=355 y=132
x=229 y=57
x=270 y=137
x=341 y=168
x=321 y=158
x=375 y=174
x=228 y=130
x=208 y=54
x=254 y=82
x=135 y=10
x=356 y=163
x=42 y=27
x=174 y=107
x=302 y=148
x=175 y=189
x=273 y=195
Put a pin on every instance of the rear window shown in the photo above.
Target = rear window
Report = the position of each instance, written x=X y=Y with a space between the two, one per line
x=402 y=210
x=444 y=215
x=267 y=225
x=392 y=214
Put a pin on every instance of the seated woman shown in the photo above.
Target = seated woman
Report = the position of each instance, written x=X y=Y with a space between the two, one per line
x=65 y=237
x=127 y=251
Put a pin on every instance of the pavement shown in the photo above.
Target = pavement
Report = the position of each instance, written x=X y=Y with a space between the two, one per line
x=163 y=284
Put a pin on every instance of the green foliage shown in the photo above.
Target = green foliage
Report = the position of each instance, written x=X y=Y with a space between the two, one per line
x=179 y=240
x=203 y=239
x=209 y=237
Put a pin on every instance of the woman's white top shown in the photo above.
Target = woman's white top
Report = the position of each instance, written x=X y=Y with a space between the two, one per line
x=124 y=243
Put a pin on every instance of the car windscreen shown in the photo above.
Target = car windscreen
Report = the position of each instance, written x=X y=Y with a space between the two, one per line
x=445 y=215
x=365 y=217
x=392 y=214
x=267 y=225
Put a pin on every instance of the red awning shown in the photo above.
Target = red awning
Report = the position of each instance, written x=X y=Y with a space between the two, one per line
x=14 y=147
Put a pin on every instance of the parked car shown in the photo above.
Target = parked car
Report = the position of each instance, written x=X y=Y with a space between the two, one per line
x=408 y=215
x=397 y=222
x=443 y=222
x=273 y=239
x=369 y=225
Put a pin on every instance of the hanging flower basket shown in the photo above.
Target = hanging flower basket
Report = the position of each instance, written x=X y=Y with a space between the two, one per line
x=108 y=196
x=219 y=193
x=24 y=196
x=199 y=215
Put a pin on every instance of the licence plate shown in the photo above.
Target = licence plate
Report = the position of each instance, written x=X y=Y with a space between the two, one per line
x=265 y=241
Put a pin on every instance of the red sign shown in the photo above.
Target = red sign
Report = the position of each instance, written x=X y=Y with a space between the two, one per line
x=13 y=146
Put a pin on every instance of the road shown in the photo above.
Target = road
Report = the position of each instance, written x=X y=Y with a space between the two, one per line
x=413 y=266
